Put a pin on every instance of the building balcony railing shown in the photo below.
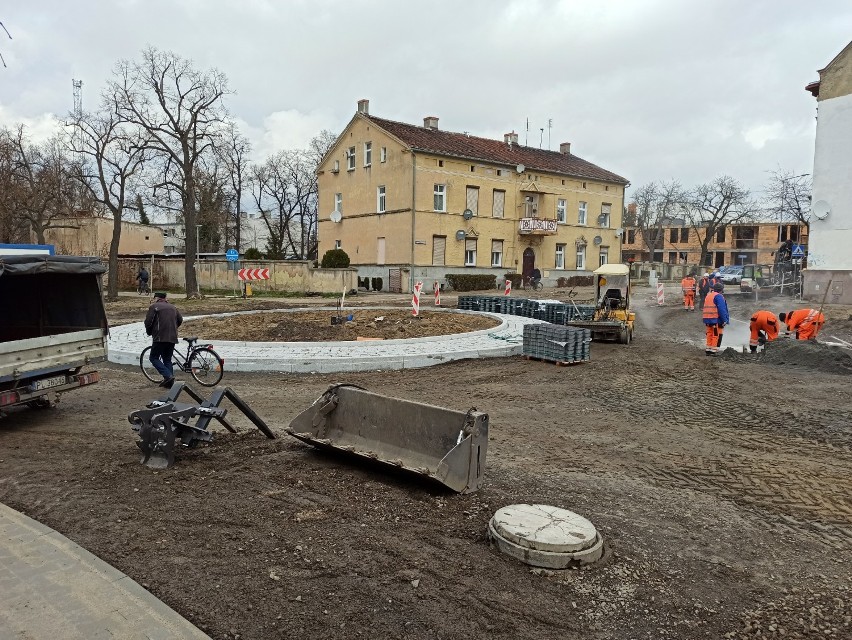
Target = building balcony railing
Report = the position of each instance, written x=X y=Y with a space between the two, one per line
x=537 y=226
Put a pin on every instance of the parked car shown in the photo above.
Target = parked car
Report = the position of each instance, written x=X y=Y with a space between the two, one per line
x=732 y=275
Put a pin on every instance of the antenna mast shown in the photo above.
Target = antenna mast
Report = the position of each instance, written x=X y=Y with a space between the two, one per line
x=549 y=127
x=527 y=139
x=78 y=98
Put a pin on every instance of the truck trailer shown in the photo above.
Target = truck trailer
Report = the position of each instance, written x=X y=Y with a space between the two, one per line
x=53 y=327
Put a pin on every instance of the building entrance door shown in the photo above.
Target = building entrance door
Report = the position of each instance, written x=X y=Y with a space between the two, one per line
x=529 y=262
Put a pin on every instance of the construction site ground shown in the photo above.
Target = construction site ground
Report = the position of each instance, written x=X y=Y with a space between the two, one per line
x=722 y=486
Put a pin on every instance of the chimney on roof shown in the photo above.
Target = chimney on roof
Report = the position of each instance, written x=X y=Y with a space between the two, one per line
x=364 y=106
x=510 y=138
x=431 y=122
x=565 y=148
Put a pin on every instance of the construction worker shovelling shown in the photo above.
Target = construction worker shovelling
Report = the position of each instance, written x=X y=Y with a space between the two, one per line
x=688 y=286
x=804 y=323
x=715 y=318
x=764 y=328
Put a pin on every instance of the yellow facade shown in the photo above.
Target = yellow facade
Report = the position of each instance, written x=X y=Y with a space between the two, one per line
x=92 y=237
x=411 y=176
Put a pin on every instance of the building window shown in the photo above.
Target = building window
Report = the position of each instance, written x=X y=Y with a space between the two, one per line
x=606 y=188
x=672 y=235
x=581 y=214
x=720 y=235
x=472 y=168
x=439 y=250
x=350 y=159
x=470 y=252
x=440 y=163
x=603 y=256
x=631 y=236
x=380 y=199
x=336 y=168
x=561 y=205
x=499 y=203
x=440 y=197
x=496 y=253
x=499 y=172
x=605 y=214
x=368 y=154
x=472 y=199
x=584 y=185
x=531 y=206
x=383 y=154
x=581 y=258
x=338 y=202
x=560 y=256
x=337 y=244
x=684 y=234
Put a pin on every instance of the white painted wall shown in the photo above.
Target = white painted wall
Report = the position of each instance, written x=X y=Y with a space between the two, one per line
x=830 y=242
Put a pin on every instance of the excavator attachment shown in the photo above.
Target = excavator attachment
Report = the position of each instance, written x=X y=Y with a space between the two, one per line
x=442 y=444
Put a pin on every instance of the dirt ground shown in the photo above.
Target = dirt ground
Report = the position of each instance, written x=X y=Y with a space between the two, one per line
x=309 y=326
x=722 y=486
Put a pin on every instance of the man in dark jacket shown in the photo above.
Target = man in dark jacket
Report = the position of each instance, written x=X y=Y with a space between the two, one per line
x=161 y=323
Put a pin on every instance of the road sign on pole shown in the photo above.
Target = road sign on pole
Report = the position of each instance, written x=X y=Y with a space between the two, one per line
x=232 y=255
x=798 y=251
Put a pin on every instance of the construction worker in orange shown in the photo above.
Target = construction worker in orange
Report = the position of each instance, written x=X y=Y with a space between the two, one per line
x=764 y=328
x=715 y=318
x=688 y=286
x=805 y=323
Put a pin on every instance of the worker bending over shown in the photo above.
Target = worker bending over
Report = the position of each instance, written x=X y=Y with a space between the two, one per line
x=715 y=318
x=688 y=286
x=764 y=328
x=805 y=323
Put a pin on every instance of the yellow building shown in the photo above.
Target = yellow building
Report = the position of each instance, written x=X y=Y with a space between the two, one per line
x=90 y=236
x=410 y=202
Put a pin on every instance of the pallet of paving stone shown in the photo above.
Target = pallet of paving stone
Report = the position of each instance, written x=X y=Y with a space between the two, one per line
x=557 y=343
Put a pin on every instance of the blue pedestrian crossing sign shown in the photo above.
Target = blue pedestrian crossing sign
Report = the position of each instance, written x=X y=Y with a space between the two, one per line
x=798 y=251
x=232 y=255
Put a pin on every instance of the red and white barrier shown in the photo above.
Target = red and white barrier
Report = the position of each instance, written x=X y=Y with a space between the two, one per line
x=437 y=294
x=508 y=288
x=661 y=299
x=415 y=299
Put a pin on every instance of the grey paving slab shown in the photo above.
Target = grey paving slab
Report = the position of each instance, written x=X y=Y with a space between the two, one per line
x=53 y=588
x=126 y=342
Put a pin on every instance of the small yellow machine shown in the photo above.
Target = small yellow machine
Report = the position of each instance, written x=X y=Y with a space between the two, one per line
x=613 y=319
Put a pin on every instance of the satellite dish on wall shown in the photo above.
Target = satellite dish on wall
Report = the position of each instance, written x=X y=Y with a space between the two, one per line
x=597 y=240
x=460 y=234
x=336 y=216
x=821 y=209
x=520 y=168
x=619 y=232
x=468 y=214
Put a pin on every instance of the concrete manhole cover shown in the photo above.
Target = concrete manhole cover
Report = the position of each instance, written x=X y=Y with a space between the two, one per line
x=545 y=536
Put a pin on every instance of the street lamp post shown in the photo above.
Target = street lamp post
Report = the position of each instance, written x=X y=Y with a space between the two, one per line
x=197 y=241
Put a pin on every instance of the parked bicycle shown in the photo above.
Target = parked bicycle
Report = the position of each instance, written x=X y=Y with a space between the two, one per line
x=205 y=365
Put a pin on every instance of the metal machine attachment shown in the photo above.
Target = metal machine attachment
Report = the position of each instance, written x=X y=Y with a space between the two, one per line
x=165 y=422
x=442 y=444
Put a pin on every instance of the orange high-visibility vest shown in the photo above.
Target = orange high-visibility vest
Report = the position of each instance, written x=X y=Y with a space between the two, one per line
x=710 y=310
x=687 y=284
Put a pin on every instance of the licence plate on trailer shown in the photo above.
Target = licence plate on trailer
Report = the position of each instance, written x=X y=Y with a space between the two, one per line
x=49 y=383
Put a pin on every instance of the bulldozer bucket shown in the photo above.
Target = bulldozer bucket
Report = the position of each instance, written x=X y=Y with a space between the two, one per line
x=442 y=444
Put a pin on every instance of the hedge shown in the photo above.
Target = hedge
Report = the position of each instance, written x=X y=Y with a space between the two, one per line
x=335 y=259
x=575 y=281
x=471 y=281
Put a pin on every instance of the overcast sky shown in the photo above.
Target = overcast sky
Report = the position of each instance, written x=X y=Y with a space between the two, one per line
x=649 y=89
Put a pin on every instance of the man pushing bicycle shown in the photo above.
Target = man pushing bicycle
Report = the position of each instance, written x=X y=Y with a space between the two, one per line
x=161 y=323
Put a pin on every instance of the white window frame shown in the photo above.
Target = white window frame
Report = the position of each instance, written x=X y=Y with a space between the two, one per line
x=607 y=214
x=561 y=210
x=502 y=212
x=350 y=159
x=440 y=191
x=603 y=256
x=470 y=254
x=338 y=202
x=337 y=244
x=582 y=212
x=559 y=262
x=381 y=199
x=383 y=154
x=581 y=258
x=496 y=256
x=368 y=154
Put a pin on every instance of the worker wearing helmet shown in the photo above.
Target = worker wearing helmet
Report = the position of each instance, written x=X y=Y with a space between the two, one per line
x=764 y=328
x=715 y=318
x=703 y=288
x=805 y=323
x=688 y=286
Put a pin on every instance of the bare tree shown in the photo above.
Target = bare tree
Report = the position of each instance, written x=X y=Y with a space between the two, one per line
x=234 y=150
x=788 y=197
x=181 y=109
x=715 y=205
x=13 y=228
x=657 y=205
x=41 y=181
x=114 y=153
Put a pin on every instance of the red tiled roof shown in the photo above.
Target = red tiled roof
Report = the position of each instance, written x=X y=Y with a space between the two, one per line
x=461 y=145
